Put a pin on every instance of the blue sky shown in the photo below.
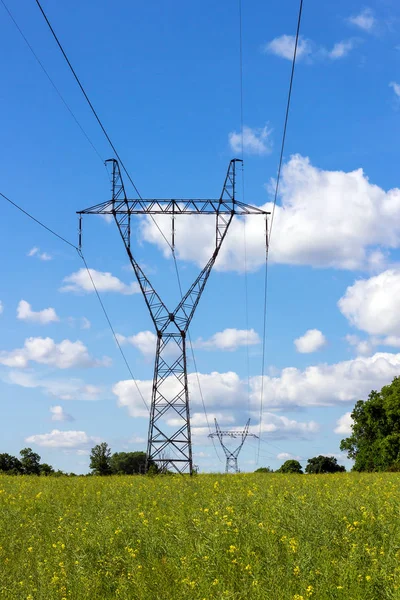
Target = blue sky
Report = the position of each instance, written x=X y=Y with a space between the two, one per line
x=164 y=77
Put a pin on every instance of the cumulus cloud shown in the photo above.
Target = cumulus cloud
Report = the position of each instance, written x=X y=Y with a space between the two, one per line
x=255 y=141
x=287 y=456
x=341 y=49
x=327 y=385
x=144 y=341
x=46 y=351
x=220 y=389
x=311 y=341
x=307 y=234
x=40 y=255
x=229 y=339
x=62 y=439
x=396 y=88
x=365 y=20
x=372 y=304
x=280 y=427
x=283 y=46
x=344 y=424
x=59 y=414
x=104 y=282
x=62 y=389
x=45 y=316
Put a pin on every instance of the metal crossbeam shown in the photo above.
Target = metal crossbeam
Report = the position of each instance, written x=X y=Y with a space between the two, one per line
x=232 y=455
x=169 y=439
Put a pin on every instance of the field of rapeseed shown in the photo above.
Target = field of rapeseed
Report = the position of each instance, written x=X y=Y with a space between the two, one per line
x=256 y=536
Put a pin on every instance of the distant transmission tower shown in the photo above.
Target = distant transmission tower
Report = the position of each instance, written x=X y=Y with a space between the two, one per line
x=232 y=455
x=168 y=444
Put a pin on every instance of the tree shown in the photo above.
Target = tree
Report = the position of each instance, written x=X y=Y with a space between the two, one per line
x=374 y=443
x=323 y=464
x=263 y=470
x=10 y=464
x=46 y=469
x=129 y=463
x=30 y=462
x=291 y=466
x=100 y=459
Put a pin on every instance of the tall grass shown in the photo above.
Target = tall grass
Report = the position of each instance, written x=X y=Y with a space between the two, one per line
x=256 y=536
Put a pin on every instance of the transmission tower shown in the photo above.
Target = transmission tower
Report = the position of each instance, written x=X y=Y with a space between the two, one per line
x=232 y=455
x=169 y=445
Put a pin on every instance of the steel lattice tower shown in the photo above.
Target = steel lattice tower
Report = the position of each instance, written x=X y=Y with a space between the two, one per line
x=232 y=455
x=171 y=446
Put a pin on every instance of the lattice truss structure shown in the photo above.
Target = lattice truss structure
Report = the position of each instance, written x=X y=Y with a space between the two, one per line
x=171 y=447
x=232 y=455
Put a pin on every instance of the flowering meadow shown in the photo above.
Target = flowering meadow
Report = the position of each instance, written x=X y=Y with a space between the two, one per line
x=256 y=536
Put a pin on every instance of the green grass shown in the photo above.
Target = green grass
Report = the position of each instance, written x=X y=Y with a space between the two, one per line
x=250 y=536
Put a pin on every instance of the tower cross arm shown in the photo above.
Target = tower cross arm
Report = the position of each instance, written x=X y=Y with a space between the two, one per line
x=174 y=207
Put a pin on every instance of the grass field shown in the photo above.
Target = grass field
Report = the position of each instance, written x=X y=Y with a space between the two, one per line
x=269 y=537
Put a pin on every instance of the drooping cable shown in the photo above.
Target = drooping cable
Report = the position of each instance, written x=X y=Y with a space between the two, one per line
x=289 y=97
x=97 y=116
x=50 y=79
x=246 y=292
x=91 y=279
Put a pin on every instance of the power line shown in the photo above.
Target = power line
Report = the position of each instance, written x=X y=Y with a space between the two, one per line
x=286 y=114
x=91 y=279
x=273 y=209
x=96 y=115
x=50 y=79
x=112 y=329
x=38 y=222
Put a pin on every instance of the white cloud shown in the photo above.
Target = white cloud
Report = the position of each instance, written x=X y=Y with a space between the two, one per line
x=362 y=347
x=198 y=419
x=283 y=46
x=40 y=255
x=25 y=313
x=229 y=339
x=344 y=424
x=62 y=439
x=85 y=323
x=104 y=282
x=1 y=307
x=327 y=385
x=396 y=88
x=280 y=427
x=311 y=341
x=287 y=456
x=219 y=389
x=62 y=389
x=144 y=341
x=372 y=304
x=341 y=49
x=359 y=218
x=364 y=20
x=255 y=141
x=46 y=351
x=59 y=414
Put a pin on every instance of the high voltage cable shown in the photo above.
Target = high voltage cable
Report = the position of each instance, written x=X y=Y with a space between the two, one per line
x=91 y=279
x=246 y=292
x=274 y=206
x=96 y=115
x=50 y=79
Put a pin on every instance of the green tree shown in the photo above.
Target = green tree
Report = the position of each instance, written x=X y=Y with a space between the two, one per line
x=374 y=443
x=323 y=464
x=263 y=470
x=30 y=462
x=10 y=464
x=100 y=459
x=290 y=466
x=46 y=469
x=129 y=463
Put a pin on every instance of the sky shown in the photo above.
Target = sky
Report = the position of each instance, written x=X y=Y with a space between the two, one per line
x=164 y=78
